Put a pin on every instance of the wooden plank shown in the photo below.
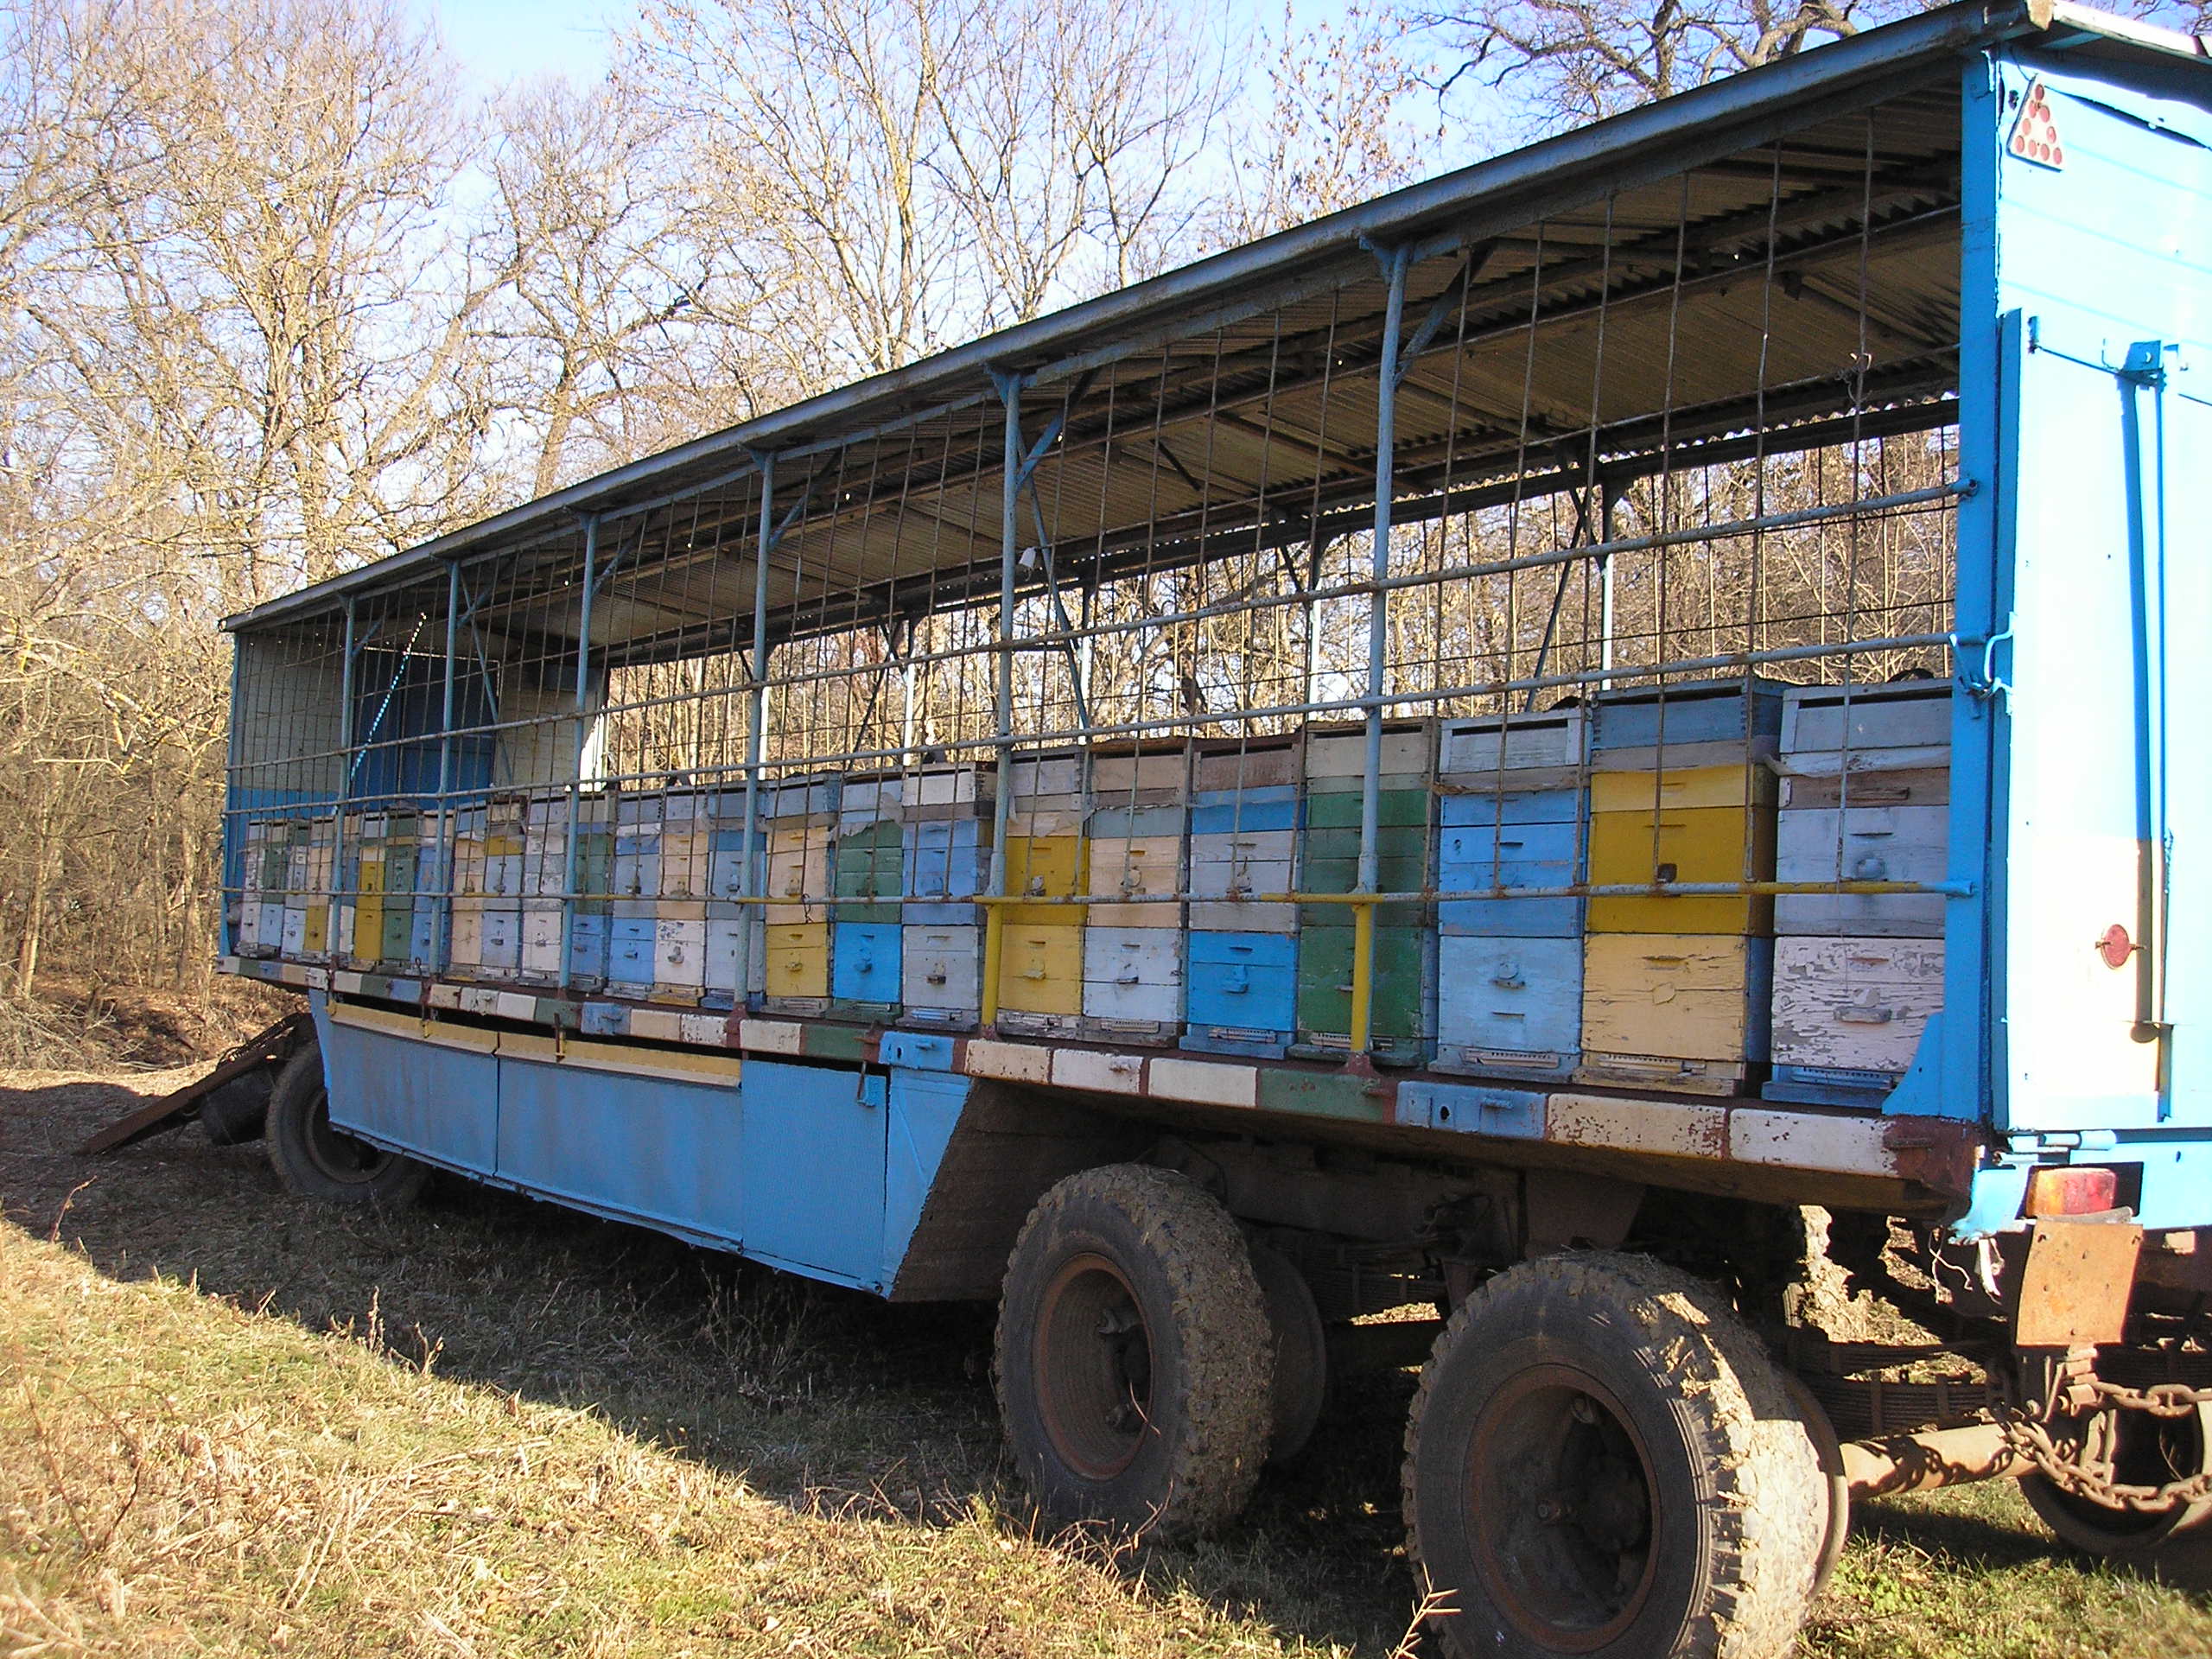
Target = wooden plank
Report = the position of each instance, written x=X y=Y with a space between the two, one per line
x=268 y=1046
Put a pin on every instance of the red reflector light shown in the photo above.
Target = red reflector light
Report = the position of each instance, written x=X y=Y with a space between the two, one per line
x=2069 y=1191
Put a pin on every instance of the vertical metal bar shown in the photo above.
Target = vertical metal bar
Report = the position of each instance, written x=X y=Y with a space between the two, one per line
x=448 y=823
x=341 y=897
x=1394 y=262
x=1009 y=388
x=576 y=780
x=755 y=917
x=233 y=812
x=1608 y=498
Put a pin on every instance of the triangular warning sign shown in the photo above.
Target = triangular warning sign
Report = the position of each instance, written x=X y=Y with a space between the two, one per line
x=2035 y=134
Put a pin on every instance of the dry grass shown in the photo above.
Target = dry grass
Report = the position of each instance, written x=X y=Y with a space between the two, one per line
x=231 y=1423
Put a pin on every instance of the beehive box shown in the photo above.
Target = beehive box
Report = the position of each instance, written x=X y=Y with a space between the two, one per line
x=1709 y=824
x=1682 y=1011
x=1866 y=796
x=1849 y=1014
x=1041 y=972
x=945 y=848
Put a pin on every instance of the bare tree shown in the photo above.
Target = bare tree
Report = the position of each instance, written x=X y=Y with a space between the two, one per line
x=914 y=172
x=1576 y=60
x=1344 y=115
x=629 y=318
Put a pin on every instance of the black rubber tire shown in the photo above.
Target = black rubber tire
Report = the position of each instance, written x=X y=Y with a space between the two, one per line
x=1603 y=1461
x=1134 y=1358
x=314 y=1160
x=2153 y=1450
x=1300 y=1385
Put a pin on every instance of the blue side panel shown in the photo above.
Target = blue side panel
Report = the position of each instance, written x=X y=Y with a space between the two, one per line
x=813 y=1142
x=650 y=1148
x=926 y=1109
x=1473 y=1108
x=2105 y=258
x=441 y=1103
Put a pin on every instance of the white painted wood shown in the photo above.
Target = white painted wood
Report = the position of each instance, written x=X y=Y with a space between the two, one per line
x=1857 y=1003
x=680 y=954
x=1205 y=1081
x=1491 y=744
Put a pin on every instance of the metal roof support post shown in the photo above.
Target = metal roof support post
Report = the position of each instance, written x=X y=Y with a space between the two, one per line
x=448 y=823
x=576 y=780
x=1389 y=372
x=756 y=730
x=1010 y=390
x=234 y=813
x=1610 y=498
x=342 y=894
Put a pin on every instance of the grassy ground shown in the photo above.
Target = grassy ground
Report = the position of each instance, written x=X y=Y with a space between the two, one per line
x=232 y=1423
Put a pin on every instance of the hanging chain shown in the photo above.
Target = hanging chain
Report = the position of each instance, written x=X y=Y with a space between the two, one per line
x=2064 y=1469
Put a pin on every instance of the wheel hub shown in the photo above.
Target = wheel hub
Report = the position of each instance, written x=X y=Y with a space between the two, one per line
x=1094 y=1367
x=1561 y=1509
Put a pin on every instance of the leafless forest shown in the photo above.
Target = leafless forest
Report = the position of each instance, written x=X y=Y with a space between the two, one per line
x=281 y=292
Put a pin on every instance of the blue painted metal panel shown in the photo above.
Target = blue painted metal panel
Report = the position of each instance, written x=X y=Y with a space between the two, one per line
x=813 y=1142
x=605 y=1019
x=864 y=962
x=1471 y=1109
x=653 y=1149
x=926 y=1108
x=1508 y=996
x=1243 y=980
x=2187 y=780
x=916 y=1050
x=442 y=1103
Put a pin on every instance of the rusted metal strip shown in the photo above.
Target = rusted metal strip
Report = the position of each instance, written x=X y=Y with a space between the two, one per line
x=265 y=1047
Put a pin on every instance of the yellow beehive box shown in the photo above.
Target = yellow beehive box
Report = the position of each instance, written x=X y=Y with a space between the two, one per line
x=1679 y=996
x=1040 y=971
x=798 y=960
x=1700 y=825
x=1046 y=867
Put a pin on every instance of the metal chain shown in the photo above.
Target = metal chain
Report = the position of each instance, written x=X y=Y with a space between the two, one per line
x=2032 y=1441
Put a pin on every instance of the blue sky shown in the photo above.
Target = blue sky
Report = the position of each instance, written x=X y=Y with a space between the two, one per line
x=498 y=41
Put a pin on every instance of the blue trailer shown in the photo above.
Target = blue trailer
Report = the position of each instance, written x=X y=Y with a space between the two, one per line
x=1489 y=749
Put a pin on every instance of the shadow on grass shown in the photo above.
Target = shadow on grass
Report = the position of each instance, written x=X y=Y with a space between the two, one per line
x=831 y=1400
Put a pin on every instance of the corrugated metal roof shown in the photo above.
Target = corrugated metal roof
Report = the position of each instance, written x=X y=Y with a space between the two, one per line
x=1237 y=396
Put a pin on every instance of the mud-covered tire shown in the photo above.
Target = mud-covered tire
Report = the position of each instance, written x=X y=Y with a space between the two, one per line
x=1603 y=1461
x=314 y=1160
x=1135 y=1358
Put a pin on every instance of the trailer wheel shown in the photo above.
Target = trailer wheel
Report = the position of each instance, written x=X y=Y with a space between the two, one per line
x=1135 y=1355
x=1602 y=1460
x=2150 y=1452
x=1300 y=1387
x=315 y=1161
